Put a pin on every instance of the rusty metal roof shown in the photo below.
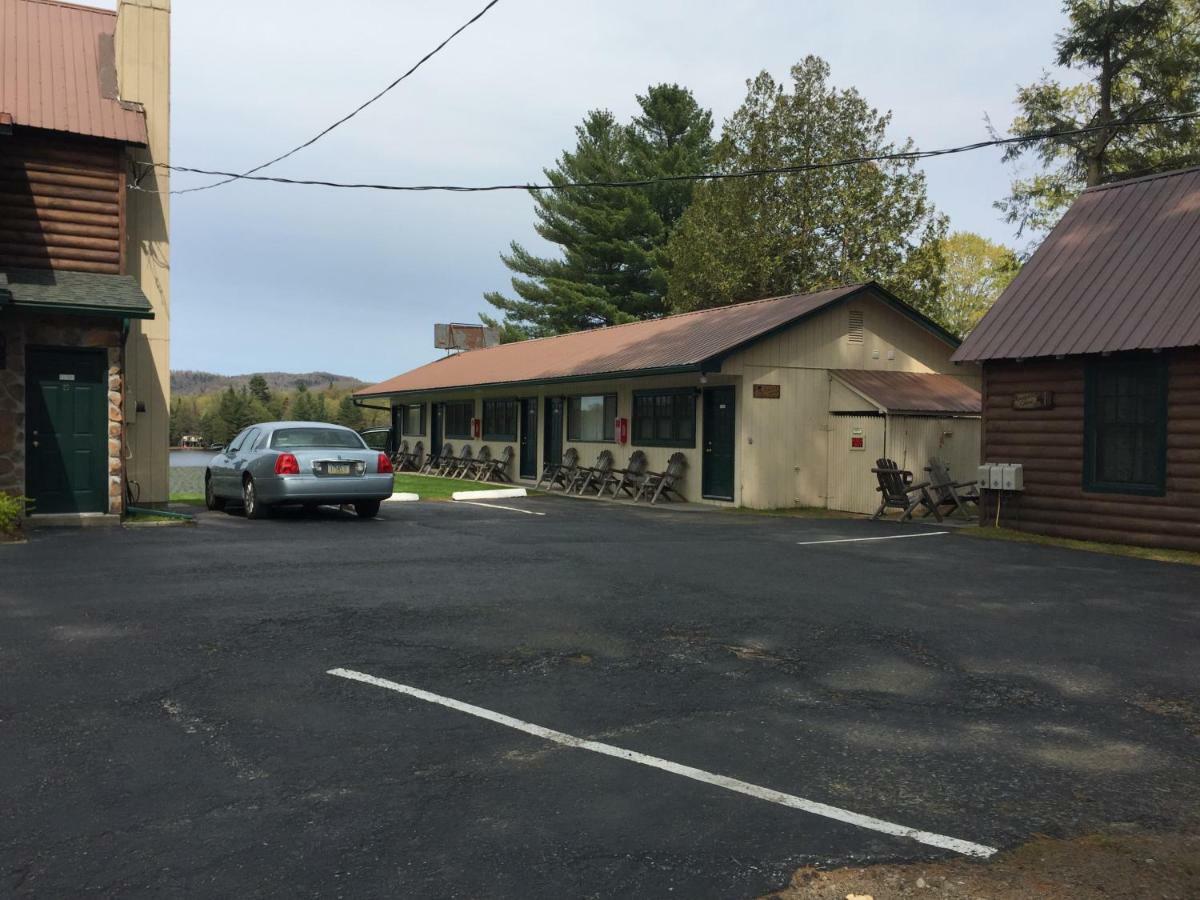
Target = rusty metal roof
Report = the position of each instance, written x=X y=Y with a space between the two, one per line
x=58 y=71
x=693 y=341
x=1121 y=271
x=912 y=392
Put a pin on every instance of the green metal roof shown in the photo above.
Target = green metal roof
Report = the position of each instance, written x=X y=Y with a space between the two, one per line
x=52 y=290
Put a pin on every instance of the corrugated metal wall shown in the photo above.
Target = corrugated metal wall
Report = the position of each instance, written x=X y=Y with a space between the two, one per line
x=851 y=483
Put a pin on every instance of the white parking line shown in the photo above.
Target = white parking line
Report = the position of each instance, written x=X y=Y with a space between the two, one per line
x=528 y=512
x=731 y=784
x=889 y=537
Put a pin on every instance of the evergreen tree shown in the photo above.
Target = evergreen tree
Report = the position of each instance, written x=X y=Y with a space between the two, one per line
x=612 y=265
x=748 y=238
x=1142 y=61
x=349 y=413
x=303 y=407
x=259 y=389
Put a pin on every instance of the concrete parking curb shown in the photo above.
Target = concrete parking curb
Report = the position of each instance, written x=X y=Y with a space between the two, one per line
x=498 y=494
x=403 y=498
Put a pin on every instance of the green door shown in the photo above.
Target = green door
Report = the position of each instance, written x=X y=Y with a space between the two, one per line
x=719 y=440
x=66 y=431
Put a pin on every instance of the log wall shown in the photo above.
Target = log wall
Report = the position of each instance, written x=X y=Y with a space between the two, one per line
x=1049 y=444
x=62 y=204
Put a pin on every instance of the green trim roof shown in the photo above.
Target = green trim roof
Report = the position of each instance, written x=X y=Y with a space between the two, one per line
x=53 y=290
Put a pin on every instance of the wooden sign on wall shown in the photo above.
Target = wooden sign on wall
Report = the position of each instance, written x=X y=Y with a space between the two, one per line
x=1033 y=400
x=766 y=392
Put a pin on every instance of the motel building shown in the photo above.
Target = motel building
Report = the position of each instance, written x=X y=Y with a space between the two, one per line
x=775 y=403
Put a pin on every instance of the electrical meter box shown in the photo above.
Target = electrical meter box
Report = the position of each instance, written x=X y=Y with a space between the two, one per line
x=1001 y=477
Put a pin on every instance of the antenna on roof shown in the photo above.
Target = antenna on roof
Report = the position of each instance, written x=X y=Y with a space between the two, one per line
x=457 y=337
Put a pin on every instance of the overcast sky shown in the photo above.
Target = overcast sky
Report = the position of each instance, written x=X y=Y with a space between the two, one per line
x=270 y=277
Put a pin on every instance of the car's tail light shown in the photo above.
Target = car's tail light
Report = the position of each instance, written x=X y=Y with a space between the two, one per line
x=385 y=465
x=287 y=464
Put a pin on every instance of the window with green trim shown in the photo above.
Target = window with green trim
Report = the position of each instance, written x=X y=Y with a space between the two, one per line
x=665 y=418
x=499 y=420
x=458 y=416
x=1125 y=426
x=590 y=417
x=412 y=419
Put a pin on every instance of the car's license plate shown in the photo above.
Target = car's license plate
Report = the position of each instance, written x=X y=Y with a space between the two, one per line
x=337 y=468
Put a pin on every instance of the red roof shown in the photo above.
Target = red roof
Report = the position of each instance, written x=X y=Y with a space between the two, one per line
x=689 y=341
x=912 y=392
x=1121 y=271
x=58 y=71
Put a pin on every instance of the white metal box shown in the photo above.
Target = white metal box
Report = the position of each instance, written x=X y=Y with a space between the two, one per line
x=1012 y=477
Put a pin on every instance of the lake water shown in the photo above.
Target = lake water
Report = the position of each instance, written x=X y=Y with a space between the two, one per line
x=185 y=458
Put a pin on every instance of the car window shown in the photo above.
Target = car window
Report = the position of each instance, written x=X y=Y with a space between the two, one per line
x=304 y=438
x=261 y=441
x=236 y=443
x=249 y=439
x=376 y=440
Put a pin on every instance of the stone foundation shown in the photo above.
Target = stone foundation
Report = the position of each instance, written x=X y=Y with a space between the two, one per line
x=19 y=329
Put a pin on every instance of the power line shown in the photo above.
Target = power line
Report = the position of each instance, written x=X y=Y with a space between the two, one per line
x=898 y=156
x=231 y=176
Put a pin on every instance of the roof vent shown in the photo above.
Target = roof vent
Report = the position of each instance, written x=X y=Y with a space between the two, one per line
x=855 y=332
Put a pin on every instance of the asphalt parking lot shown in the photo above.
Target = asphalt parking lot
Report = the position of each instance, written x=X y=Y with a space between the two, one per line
x=168 y=723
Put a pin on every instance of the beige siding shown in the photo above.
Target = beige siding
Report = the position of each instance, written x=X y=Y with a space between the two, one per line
x=851 y=482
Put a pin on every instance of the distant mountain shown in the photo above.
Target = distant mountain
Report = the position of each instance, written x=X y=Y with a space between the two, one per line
x=187 y=383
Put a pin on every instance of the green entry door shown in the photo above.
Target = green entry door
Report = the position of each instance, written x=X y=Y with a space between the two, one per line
x=720 y=437
x=66 y=431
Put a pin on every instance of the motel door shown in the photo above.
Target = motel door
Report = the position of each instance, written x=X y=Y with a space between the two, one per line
x=553 y=446
x=529 y=437
x=435 y=427
x=66 y=433
x=719 y=440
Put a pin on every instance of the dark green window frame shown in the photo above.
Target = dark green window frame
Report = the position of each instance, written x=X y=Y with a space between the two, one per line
x=500 y=420
x=664 y=418
x=404 y=412
x=608 y=423
x=1125 y=426
x=457 y=417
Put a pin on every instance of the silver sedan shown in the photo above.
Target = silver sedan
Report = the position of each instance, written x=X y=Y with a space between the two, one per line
x=305 y=463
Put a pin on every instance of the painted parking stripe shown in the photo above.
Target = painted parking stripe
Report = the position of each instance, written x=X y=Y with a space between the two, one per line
x=528 y=512
x=888 y=537
x=731 y=784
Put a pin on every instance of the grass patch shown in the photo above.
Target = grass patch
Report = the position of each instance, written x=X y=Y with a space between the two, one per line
x=188 y=499
x=1186 y=557
x=140 y=518
x=430 y=487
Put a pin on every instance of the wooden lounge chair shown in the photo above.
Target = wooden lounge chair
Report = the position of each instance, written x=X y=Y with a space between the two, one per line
x=898 y=491
x=416 y=459
x=459 y=466
x=628 y=479
x=561 y=472
x=442 y=461
x=471 y=469
x=587 y=477
x=496 y=469
x=400 y=457
x=657 y=485
x=950 y=493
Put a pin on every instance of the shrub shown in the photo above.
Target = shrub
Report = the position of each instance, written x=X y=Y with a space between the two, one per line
x=12 y=508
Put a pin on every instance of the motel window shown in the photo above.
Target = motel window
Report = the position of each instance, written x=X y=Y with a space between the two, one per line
x=590 y=417
x=665 y=418
x=1125 y=426
x=499 y=420
x=458 y=418
x=412 y=419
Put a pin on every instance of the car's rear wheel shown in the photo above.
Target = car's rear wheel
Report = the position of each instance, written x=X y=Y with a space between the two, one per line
x=255 y=509
x=367 y=509
x=211 y=500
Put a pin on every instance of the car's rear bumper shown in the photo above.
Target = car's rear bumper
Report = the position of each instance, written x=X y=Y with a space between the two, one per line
x=331 y=489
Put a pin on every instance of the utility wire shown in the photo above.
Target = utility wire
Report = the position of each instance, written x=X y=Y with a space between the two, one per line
x=898 y=156
x=232 y=176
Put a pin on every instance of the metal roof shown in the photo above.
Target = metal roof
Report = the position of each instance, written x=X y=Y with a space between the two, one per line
x=912 y=392
x=1120 y=271
x=689 y=341
x=58 y=71
x=56 y=290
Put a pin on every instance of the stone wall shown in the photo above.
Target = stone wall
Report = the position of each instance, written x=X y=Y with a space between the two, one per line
x=19 y=329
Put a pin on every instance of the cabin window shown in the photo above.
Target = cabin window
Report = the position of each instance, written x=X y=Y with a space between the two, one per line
x=590 y=417
x=412 y=419
x=499 y=420
x=665 y=418
x=1125 y=426
x=459 y=414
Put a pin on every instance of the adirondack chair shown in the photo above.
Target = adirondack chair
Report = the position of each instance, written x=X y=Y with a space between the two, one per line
x=588 y=476
x=496 y=469
x=400 y=457
x=416 y=459
x=460 y=465
x=657 y=485
x=898 y=491
x=471 y=469
x=950 y=493
x=443 y=460
x=628 y=479
x=560 y=473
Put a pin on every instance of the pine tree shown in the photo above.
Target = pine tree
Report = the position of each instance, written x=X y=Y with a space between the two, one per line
x=1143 y=61
x=748 y=238
x=303 y=407
x=259 y=389
x=612 y=266
x=349 y=413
